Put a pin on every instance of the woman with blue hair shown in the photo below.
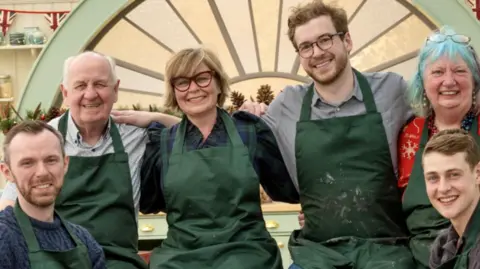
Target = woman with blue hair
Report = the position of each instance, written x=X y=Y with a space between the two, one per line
x=443 y=93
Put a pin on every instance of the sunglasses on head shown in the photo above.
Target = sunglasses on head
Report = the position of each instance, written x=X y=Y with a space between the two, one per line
x=439 y=38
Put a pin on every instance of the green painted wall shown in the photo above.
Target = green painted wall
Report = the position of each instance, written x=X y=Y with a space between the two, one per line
x=69 y=39
x=454 y=13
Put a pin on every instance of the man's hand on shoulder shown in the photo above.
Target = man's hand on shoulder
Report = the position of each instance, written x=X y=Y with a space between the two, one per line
x=257 y=109
x=6 y=202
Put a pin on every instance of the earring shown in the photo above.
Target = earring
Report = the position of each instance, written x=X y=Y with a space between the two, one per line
x=474 y=99
x=425 y=100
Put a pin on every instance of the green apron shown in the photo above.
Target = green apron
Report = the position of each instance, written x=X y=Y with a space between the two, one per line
x=76 y=258
x=348 y=192
x=213 y=208
x=423 y=221
x=471 y=236
x=97 y=194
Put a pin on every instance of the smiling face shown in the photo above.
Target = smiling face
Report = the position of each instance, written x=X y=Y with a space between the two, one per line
x=90 y=91
x=37 y=166
x=323 y=66
x=448 y=85
x=452 y=185
x=202 y=94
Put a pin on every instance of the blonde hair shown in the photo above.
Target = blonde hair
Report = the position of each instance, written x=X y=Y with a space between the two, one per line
x=184 y=63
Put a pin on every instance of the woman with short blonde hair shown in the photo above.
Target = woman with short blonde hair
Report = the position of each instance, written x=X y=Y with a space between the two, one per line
x=181 y=64
x=205 y=171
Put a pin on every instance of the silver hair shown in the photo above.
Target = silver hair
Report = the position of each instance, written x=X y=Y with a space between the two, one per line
x=69 y=60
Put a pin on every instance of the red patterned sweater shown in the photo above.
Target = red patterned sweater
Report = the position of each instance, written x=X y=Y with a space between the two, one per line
x=407 y=147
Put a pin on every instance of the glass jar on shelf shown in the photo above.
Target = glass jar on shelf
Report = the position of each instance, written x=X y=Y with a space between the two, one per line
x=6 y=88
x=33 y=36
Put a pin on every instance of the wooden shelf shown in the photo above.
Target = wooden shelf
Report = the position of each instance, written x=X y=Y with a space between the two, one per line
x=33 y=48
x=21 y=47
x=6 y=100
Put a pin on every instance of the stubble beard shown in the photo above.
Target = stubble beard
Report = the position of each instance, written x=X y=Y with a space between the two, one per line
x=340 y=65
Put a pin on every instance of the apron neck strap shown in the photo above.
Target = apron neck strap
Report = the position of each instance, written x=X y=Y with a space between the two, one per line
x=26 y=228
x=473 y=229
x=365 y=88
x=114 y=133
x=234 y=137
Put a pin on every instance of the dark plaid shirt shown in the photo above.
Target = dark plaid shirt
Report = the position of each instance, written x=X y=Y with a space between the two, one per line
x=265 y=156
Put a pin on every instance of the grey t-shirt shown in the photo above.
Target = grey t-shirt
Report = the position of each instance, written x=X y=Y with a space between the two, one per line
x=389 y=93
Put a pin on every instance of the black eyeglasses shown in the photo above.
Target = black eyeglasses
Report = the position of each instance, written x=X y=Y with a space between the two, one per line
x=324 y=42
x=202 y=79
x=439 y=38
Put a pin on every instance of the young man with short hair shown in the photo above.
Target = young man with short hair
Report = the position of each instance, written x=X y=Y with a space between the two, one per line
x=32 y=235
x=452 y=177
x=338 y=137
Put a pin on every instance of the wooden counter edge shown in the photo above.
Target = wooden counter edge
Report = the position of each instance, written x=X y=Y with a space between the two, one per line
x=266 y=208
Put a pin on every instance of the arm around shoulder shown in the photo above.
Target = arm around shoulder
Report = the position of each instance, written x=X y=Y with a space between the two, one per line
x=268 y=161
x=151 y=198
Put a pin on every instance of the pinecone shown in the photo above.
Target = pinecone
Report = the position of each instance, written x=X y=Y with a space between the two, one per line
x=265 y=94
x=52 y=113
x=237 y=99
x=231 y=109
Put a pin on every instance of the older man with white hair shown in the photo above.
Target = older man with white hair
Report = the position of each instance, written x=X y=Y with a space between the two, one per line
x=102 y=185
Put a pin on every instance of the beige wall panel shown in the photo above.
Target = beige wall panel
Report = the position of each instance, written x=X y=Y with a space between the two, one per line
x=286 y=52
x=133 y=98
x=250 y=87
x=373 y=18
x=135 y=81
x=236 y=16
x=159 y=20
x=301 y=71
x=405 y=69
x=349 y=5
x=397 y=42
x=199 y=17
x=127 y=43
x=266 y=27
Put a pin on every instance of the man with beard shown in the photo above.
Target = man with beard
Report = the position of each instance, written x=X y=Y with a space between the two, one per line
x=102 y=185
x=338 y=137
x=32 y=234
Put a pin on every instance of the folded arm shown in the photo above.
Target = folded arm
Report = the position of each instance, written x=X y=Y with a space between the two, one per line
x=269 y=163
x=151 y=198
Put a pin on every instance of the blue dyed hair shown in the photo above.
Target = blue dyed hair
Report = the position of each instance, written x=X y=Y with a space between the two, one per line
x=431 y=52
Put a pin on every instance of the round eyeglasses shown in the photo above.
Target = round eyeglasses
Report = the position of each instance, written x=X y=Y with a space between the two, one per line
x=324 y=42
x=202 y=79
